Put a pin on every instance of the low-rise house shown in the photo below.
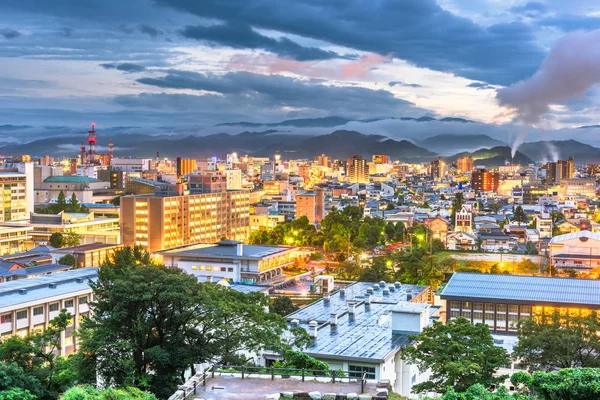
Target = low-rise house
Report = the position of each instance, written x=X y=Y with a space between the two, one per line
x=87 y=255
x=461 y=241
x=577 y=250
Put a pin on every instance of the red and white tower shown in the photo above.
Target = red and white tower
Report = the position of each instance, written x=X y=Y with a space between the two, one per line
x=111 y=148
x=92 y=144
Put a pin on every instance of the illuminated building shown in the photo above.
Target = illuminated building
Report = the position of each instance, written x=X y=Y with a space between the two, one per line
x=438 y=169
x=559 y=170
x=323 y=160
x=87 y=255
x=185 y=166
x=231 y=260
x=500 y=300
x=578 y=250
x=485 y=181
x=311 y=205
x=464 y=164
x=357 y=170
x=379 y=159
x=165 y=222
x=46 y=160
x=578 y=187
x=207 y=183
x=13 y=195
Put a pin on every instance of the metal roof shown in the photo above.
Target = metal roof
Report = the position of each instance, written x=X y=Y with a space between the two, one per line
x=576 y=235
x=531 y=289
x=226 y=251
x=71 y=179
x=366 y=336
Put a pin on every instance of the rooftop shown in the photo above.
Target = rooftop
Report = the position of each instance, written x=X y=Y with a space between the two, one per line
x=226 y=249
x=71 y=179
x=82 y=248
x=366 y=335
x=530 y=289
x=20 y=291
x=581 y=235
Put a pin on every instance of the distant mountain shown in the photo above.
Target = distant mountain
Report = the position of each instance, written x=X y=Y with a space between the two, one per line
x=448 y=144
x=588 y=127
x=342 y=144
x=493 y=157
x=330 y=122
x=561 y=149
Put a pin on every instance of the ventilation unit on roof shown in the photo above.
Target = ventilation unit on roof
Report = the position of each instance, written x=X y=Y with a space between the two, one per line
x=79 y=280
x=22 y=291
x=52 y=285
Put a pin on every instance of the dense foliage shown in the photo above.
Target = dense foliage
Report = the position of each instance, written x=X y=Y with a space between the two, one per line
x=555 y=341
x=87 y=392
x=73 y=205
x=282 y=305
x=459 y=355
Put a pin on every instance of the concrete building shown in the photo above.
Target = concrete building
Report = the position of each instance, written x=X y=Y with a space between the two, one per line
x=132 y=164
x=323 y=160
x=165 y=222
x=86 y=189
x=578 y=187
x=357 y=170
x=265 y=221
x=231 y=260
x=559 y=170
x=86 y=255
x=234 y=178
x=485 y=181
x=311 y=205
x=13 y=195
x=578 y=250
x=543 y=224
x=30 y=304
x=464 y=164
x=115 y=177
x=379 y=159
x=144 y=186
x=464 y=219
x=207 y=183
x=185 y=166
x=438 y=169
x=363 y=328
x=500 y=301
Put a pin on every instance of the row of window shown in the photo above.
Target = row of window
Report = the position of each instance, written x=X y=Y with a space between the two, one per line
x=209 y=268
x=6 y=318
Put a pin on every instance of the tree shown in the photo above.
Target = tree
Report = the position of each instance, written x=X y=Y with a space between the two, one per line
x=16 y=394
x=71 y=238
x=87 y=392
x=479 y=392
x=61 y=201
x=418 y=268
x=378 y=271
x=459 y=355
x=152 y=323
x=457 y=204
x=571 y=383
x=519 y=215
x=57 y=240
x=12 y=376
x=299 y=360
x=282 y=305
x=73 y=205
x=67 y=259
x=555 y=341
x=37 y=355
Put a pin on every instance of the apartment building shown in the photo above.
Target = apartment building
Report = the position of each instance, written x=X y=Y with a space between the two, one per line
x=13 y=195
x=165 y=222
x=311 y=205
x=30 y=304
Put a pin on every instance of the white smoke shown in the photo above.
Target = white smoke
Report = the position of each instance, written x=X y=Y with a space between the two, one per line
x=519 y=140
x=571 y=67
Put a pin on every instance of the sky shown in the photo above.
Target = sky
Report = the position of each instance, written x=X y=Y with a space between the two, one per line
x=153 y=63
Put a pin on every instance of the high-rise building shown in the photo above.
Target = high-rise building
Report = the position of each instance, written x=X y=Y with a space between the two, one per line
x=13 y=196
x=485 y=181
x=311 y=205
x=46 y=160
x=207 y=183
x=165 y=222
x=379 y=159
x=561 y=169
x=357 y=170
x=323 y=160
x=185 y=166
x=464 y=164
x=234 y=178
x=438 y=169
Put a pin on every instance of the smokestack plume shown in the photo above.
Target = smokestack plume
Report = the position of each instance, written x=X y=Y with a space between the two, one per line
x=571 y=67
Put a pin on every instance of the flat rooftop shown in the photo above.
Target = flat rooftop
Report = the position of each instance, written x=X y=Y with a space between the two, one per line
x=519 y=288
x=365 y=336
x=85 y=247
x=226 y=249
x=47 y=286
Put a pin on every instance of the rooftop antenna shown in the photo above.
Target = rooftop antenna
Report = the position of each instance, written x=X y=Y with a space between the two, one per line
x=92 y=143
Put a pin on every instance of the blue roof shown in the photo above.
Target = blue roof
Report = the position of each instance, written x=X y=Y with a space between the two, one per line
x=38 y=288
x=71 y=179
x=226 y=249
x=366 y=337
x=530 y=289
x=46 y=269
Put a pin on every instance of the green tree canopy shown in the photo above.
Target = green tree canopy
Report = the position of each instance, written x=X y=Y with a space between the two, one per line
x=282 y=305
x=566 y=384
x=459 y=355
x=555 y=341
x=152 y=323
x=87 y=392
x=67 y=259
x=56 y=240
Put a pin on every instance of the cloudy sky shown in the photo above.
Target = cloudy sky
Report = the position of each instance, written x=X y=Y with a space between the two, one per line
x=168 y=62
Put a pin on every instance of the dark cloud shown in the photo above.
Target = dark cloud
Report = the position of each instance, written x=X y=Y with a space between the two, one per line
x=240 y=36
x=9 y=33
x=284 y=93
x=148 y=30
x=499 y=54
x=125 y=67
x=481 y=85
x=530 y=9
x=404 y=84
